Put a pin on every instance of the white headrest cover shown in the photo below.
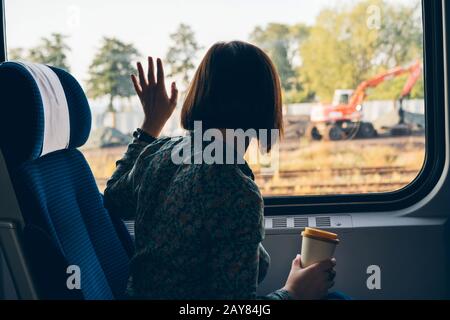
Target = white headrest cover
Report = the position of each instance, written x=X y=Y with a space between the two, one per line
x=56 y=110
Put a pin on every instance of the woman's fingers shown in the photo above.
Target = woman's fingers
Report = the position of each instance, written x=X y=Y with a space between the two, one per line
x=297 y=262
x=173 y=94
x=151 y=72
x=326 y=264
x=142 y=80
x=136 y=84
x=160 y=71
x=149 y=80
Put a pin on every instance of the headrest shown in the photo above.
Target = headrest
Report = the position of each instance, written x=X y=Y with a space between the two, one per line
x=42 y=109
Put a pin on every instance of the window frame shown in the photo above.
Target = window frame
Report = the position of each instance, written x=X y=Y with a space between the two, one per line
x=422 y=185
x=434 y=73
x=3 y=48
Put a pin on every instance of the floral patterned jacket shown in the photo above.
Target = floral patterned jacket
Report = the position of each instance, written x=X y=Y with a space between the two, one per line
x=198 y=227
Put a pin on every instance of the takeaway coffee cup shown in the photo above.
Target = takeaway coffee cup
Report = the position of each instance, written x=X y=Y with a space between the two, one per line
x=317 y=245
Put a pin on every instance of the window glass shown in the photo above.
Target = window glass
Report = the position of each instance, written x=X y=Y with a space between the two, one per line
x=351 y=74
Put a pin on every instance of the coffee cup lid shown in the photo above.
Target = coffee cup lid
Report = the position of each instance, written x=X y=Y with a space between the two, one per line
x=317 y=233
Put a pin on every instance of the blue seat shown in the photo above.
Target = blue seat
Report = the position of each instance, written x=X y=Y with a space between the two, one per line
x=65 y=222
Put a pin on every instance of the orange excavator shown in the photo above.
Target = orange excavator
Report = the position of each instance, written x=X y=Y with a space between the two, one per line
x=343 y=118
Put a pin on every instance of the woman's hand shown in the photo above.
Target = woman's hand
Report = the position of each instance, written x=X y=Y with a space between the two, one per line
x=157 y=105
x=311 y=283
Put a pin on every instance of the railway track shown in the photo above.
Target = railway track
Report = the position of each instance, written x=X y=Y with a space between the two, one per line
x=287 y=184
x=337 y=188
x=294 y=144
x=363 y=171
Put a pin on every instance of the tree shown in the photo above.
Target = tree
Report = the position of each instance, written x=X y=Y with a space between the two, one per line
x=274 y=39
x=182 y=53
x=16 y=54
x=109 y=72
x=343 y=50
x=281 y=42
x=52 y=51
x=401 y=35
x=301 y=90
x=401 y=42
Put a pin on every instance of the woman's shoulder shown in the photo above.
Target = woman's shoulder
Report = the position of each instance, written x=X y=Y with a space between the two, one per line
x=231 y=177
x=164 y=141
x=160 y=144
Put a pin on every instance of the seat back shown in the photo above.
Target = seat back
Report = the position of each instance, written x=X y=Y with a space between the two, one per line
x=45 y=117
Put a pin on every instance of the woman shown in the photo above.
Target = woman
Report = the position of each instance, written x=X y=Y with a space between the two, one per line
x=199 y=225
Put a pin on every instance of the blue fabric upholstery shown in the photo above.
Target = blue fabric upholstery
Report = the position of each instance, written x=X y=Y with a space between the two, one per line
x=22 y=115
x=80 y=113
x=66 y=222
x=21 y=92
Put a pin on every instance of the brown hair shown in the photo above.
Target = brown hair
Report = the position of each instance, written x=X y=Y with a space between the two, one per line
x=236 y=86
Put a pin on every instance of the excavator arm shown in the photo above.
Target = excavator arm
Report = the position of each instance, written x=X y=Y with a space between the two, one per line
x=415 y=71
x=415 y=75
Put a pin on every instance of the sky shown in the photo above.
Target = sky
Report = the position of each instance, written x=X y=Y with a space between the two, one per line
x=147 y=23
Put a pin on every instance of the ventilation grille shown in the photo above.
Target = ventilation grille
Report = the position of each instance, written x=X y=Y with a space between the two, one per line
x=278 y=223
x=301 y=222
x=130 y=227
x=323 y=222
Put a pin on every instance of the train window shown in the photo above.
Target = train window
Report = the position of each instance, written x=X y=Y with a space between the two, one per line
x=351 y=74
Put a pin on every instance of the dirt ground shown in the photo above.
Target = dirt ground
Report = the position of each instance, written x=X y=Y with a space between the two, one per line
x=317 y=168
